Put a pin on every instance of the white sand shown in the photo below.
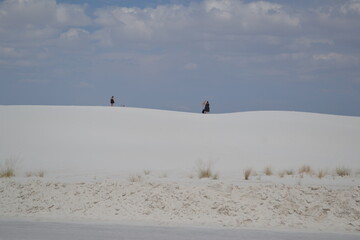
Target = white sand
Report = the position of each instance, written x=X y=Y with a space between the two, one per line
x=211 y=203
x=89 y=153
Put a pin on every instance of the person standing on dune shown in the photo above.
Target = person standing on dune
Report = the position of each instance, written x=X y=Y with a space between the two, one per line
x=112 y=101
x=206 y=107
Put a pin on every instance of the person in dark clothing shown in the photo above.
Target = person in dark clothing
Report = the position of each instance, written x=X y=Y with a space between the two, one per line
x=206 y=107
x=112 y=101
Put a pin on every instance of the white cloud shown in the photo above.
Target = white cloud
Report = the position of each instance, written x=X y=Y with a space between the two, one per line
x=119 y=24
x=227 y=34
x=9 y=52
x=337 y=58
x=310 y=41
x=22 y=13
x=250 y=16
x=351 y=7
x=38 y=19
x=71 y=15
x=39 y=30
x=75 y=34
x=223 y=10
x=191 y=66
x=210 y=18
x=134 y=22
x=34 y=81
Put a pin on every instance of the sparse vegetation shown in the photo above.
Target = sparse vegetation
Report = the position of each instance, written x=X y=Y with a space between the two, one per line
x=204 y=170
x=35 y=174
x=268 y=171
x=342 y=171
x=7 y=172
x=215 y=176
x=247 y=173
x=321 y=174
x=286 y=172
x=147 y=172
x=306 y=169
x=8 y=169
x=135 y=178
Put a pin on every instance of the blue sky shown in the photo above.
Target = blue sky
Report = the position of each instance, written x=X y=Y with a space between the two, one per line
x=172 y=54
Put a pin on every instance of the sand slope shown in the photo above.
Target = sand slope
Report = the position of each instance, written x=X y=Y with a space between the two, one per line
x=111 y=139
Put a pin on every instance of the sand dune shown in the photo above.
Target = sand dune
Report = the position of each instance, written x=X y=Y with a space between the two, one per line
x=89 y=155
x=112 y=139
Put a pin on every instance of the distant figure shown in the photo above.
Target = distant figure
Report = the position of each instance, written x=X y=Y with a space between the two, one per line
x=112 y=101
x=206 y=107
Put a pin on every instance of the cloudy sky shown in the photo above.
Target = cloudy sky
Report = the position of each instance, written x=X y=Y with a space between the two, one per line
x=171 y=54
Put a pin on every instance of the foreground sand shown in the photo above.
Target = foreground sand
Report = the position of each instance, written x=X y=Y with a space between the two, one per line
x=209 y=203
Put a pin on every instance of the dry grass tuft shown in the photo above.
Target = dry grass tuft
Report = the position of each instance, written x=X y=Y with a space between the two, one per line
x=305 y=169
x=7 y=173
x=286 y=172
x=205 y=173
x=204 y=170
x=215 y=176
x=268 y=171
x=342 y=171
x=321 y=174
x=282 y=174
x=247 y=173
x=8 y=169
x=135 y=178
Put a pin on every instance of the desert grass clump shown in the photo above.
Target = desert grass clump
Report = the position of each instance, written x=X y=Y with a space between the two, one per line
x=286 y=172
x=135 y=178
x=282 y=174
x=268 y=171
x=247 y=173
x=306 y=169
x=8 y=169
x=342 y=171
x=7 y=172
x=321 y=174
x=215 y=176
x=204 y=170
x=147 y=172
